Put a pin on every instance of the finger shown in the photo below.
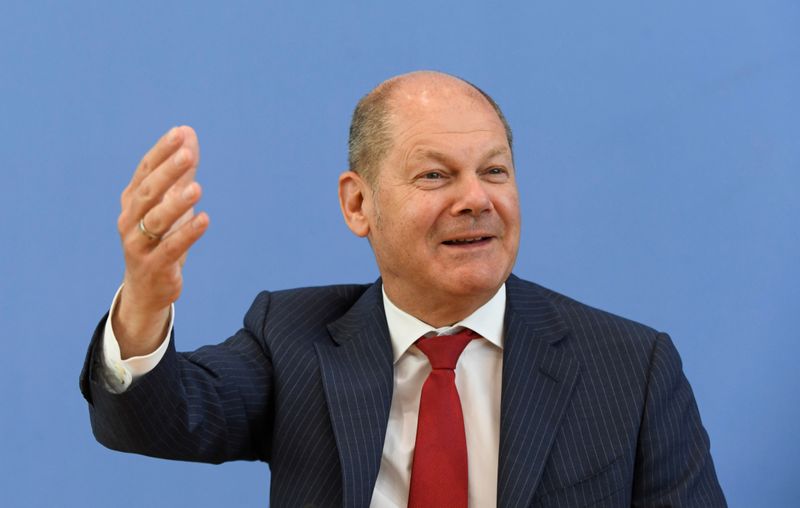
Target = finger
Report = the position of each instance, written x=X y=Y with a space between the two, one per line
x=162 y=217
x=158 y=153
x=172 y=248
x=189 y=141
x=174 y=139
x=151 y=190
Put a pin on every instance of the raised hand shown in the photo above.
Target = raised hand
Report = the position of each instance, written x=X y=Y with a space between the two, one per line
x=157 y=226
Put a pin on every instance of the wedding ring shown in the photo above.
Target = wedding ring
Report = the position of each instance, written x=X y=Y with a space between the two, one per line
x=149 y=234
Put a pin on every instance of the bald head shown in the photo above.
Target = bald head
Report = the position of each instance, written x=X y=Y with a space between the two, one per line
x=372 y=127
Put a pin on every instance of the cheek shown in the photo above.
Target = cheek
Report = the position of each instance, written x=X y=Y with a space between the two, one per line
x=508 y=209
x=412 y=221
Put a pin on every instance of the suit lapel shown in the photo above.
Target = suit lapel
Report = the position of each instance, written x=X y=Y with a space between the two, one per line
x=357 y=375
x=538 y=381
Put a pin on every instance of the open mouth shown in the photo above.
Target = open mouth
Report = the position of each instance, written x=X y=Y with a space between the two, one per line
x=468 y=241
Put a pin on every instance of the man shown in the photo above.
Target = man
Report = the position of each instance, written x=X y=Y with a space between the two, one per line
x=541 y=401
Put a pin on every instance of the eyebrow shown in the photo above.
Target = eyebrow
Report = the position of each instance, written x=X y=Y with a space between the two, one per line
x=443 y=158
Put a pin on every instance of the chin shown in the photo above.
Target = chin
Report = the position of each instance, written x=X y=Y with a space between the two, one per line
x=472 y=283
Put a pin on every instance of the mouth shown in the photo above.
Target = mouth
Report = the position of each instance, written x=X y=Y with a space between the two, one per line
x=475 y=240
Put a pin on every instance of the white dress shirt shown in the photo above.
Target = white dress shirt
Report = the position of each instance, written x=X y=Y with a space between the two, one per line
x=119 y=373
x=478 y=380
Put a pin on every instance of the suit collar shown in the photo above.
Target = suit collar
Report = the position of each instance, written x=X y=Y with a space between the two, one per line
x=538 y=381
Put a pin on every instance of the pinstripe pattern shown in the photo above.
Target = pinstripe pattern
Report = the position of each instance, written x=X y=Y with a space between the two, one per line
x=357 y=375
x=595 y=409
x=603 y=415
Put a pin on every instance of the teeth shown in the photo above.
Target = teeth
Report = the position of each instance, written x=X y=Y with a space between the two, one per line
x=468 y=240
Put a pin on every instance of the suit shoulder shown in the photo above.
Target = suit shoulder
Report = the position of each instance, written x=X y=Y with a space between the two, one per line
x=345 y=294
x=587 y=320
x=302 y=306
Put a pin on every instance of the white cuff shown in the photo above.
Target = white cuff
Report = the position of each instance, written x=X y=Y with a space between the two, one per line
x=119 y=373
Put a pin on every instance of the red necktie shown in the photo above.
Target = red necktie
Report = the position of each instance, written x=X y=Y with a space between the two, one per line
x=439 y=470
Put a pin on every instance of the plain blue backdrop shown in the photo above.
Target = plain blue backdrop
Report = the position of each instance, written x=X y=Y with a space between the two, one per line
x=657 y=150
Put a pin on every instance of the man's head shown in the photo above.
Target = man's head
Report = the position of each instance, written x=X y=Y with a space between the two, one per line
x=370 y=132
x=435 y=192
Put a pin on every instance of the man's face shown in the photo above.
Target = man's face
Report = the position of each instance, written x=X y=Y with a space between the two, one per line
x=444 y=218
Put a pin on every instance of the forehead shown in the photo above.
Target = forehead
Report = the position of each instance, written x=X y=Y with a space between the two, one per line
x=453 y=115
x=474 y=152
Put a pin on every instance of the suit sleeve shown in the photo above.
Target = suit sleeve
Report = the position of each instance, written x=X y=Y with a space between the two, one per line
x=673 y=458
x=211 y=405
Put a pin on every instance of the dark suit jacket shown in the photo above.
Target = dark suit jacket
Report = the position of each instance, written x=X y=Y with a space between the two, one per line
x=595 y=409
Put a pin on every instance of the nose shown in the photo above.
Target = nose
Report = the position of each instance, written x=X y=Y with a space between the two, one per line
x=473 y=197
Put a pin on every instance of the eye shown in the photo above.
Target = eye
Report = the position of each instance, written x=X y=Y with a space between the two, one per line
x=431 y=179
x=496 y=174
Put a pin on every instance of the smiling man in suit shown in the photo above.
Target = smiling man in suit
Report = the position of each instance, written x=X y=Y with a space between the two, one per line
x=448 y=382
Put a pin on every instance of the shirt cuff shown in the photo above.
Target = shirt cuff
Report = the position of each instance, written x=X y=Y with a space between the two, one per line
x=120 y=374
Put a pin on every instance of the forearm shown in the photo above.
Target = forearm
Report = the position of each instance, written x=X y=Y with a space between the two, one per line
x=189 y=406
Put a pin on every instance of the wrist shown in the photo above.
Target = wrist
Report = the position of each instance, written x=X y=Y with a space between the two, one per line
x=138 y=329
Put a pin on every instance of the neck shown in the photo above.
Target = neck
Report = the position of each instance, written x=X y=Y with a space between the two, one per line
x=438 y=310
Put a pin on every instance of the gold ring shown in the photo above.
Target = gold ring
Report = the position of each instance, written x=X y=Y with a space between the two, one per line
x=149 y=234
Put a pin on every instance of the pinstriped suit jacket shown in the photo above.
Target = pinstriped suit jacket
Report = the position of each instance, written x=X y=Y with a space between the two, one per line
x=595 y=409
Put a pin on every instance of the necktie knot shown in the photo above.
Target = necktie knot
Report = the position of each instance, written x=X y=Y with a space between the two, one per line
x=443 y=351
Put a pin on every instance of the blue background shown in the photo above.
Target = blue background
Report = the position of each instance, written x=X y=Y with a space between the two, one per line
x=658 y=156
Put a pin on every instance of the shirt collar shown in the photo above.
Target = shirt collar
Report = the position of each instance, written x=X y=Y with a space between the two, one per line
x=405 y=329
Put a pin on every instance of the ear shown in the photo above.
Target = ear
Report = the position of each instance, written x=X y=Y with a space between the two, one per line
x=355 y=198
